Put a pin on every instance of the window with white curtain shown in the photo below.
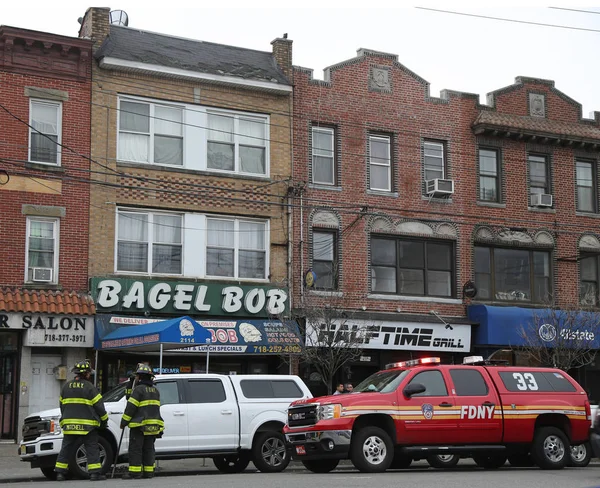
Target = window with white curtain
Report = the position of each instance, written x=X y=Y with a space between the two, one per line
x=236 y=248
x=45 y=118
x=149 y=242
x=237 y=143
x=42 y=250
x=150 y=133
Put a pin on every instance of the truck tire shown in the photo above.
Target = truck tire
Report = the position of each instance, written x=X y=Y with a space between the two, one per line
x=321 y=466
x=371 y=450
x=269 y=453
x=232 y=464
x=443 y=461
x=49 y=473
x=78 y=461
x=581 y=455
x=522 y=460
x=550 y=448
x=490 y=461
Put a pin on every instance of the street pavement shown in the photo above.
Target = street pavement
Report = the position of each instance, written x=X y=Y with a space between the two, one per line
x=199 y=472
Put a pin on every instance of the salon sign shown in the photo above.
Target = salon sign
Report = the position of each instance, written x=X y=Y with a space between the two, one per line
x=187 y=298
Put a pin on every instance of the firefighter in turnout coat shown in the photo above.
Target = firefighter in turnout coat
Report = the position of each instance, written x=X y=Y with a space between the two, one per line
x=82 y=413
x=142 y=415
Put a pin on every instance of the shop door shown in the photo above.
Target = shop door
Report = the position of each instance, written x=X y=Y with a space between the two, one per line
x=45 y=388
x=8 y=373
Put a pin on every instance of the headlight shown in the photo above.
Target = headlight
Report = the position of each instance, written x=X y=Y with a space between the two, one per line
x=53 y=425
x=328 y=412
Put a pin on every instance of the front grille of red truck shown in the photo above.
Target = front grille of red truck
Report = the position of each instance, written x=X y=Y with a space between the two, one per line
x=303 y=415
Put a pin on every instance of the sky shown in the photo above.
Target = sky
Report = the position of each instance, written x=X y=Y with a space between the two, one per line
x=458 y=52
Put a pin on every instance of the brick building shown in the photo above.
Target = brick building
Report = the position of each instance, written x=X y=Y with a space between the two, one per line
x=45 y=311
x=412 y=203
x=189 y=213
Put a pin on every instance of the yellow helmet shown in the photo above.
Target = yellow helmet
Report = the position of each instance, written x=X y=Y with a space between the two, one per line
x=144 y=369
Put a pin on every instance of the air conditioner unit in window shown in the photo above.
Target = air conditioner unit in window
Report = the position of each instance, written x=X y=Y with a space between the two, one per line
x=42 y=274
x=439 y=187
x=541 y=200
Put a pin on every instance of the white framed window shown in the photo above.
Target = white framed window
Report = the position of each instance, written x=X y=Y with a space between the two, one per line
x=42 y=250
x=150 y=133
x=45 y=119
x=236 y=248
x=149 y=242
x=237 y=143
x=434 y=160
x=323 y=155
x=380 y=163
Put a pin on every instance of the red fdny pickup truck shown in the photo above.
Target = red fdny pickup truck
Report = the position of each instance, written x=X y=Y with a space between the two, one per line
x=421 y=409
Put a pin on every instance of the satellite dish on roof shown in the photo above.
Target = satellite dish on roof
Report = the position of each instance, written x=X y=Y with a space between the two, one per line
x=119 y=17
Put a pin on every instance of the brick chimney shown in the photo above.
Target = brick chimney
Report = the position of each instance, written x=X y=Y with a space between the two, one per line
x=95 y=25
x=282 y=50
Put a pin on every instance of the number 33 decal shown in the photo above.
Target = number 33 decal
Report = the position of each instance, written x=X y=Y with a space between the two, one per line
x=525 y=381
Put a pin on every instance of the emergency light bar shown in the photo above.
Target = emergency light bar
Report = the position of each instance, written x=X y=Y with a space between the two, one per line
x=413 y=362
x=473 y=359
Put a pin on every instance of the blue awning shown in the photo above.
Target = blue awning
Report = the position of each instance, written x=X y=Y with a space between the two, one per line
x=503 y=326
x=172 y=334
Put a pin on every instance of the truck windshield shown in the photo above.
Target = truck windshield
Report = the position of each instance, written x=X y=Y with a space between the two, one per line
x=116 y=393
x=382 y=382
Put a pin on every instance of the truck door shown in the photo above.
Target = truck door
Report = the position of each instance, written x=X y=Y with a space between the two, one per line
x=175 y=415
x=214 y=419
x=426 y=417
x=480 y=418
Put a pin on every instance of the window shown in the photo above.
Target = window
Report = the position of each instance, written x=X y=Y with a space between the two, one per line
x=586 y=186
x=149 y=242
x=468 y=382
x=45 y=118
x=42 y=250
x=237 y=143
x=380 y=164
x=325 y=259
x=323 y=156
x=539 y=180
x=205 y=391
x=589 y=271
x=150 y=133
x=236 y=248
x=433 y=381
x=270 y=389
x=169 y=392
x=434 y=159
x=528 y=381
x=412 y=267
x=513 y=274
x=489 y=180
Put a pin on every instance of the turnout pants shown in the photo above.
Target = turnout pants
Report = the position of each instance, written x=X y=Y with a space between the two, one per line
x=69 y=446
x=141 y=452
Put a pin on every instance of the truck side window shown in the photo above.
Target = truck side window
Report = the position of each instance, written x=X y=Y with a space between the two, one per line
x=169 y=392
x=433 y=381
x=205 y=391
x=468 y=382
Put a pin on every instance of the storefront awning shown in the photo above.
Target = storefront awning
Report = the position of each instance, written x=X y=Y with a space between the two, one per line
x=168 y=334
x=517 y=326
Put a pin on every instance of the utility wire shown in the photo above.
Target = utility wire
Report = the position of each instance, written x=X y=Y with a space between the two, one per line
x=508 y=20
x=576 y=10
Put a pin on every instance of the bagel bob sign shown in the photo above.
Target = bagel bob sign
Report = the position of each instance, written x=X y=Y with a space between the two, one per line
x=181 y=297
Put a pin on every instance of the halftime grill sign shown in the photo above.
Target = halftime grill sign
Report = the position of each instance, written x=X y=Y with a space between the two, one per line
x=396 y=335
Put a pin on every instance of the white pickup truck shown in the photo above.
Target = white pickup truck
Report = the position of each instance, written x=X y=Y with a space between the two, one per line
x=231 y=419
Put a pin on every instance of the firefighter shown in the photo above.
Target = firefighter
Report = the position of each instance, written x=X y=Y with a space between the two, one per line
x=142 y=414
x=82 y=413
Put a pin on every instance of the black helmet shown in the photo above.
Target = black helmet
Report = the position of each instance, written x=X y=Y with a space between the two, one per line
x=82 y=367
x=144 y=369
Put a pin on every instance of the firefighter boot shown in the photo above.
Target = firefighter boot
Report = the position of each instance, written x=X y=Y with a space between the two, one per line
x=97 y=477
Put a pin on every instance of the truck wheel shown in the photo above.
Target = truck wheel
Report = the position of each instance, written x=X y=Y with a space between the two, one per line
x=443 y=461
x=371 y=450
x=232 y=464
x=522 y=460
x=49 y=473
x=269 y=453
x=322 y=466
x=550 y=448
x=78 y=461
x=581 y=455
x=490 y=461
